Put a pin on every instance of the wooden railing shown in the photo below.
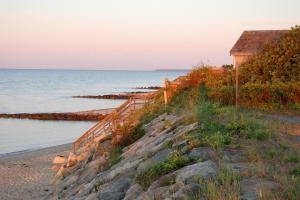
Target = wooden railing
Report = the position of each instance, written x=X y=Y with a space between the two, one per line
x=107 y=125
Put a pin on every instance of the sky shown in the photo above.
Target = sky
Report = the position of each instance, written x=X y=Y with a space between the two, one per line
x=132 y=34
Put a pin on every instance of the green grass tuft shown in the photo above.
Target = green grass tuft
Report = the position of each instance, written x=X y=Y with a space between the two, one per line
x=175 y=161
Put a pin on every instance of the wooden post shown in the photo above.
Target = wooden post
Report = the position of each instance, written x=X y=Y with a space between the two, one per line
x=236 y=88
x=166 y=90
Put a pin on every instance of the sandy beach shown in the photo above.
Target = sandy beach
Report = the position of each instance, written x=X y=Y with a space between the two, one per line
x=26 y=175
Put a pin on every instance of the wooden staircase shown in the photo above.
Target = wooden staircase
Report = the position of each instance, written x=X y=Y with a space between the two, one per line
x=106 y=126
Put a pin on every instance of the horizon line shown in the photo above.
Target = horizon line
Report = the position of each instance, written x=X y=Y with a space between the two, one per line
x=103 y=69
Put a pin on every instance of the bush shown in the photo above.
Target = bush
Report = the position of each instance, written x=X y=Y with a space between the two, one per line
x=279 y=61
x=269 y=80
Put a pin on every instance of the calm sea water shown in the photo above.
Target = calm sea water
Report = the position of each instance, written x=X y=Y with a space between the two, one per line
x=35 y=91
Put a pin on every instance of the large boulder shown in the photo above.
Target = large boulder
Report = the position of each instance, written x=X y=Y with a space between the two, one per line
x=158 y=157
x=72 y=160
x=203 y=153
x=206 y=170
x=190 y=191
x=116 y=188
x=133 y=192
x=59 y=160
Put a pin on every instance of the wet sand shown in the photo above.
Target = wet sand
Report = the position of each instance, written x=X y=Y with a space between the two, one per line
x=26 y=175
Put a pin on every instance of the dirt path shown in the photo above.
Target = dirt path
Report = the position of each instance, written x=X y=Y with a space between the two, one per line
x=283 y=118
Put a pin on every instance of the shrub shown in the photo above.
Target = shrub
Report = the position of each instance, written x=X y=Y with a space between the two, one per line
x=269 y=80
x=279 y=61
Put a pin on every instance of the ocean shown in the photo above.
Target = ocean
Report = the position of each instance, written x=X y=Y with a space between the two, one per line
x=41 y=91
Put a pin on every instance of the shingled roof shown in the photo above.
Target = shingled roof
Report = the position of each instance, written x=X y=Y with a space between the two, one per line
x=252 y=42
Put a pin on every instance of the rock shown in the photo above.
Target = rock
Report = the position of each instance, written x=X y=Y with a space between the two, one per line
x=175 y=187
x=252 y=188
x=92 y=196
x=187 y=192
x=158 y=193
x=238 y=167
x=203 y=153
x=180 y=144
x=71 y=180
x=55 y=167
x=117 y=188
x=119 y=169
x=206 y=170
x=90 y=170
x=110 y=196
x=59 y=160
x=71 y=160
x=158 y=157
x=185 y=149
x=133 y=192
x=96 y=164
x=161 y=182
x=233 y=155
x=58 y=175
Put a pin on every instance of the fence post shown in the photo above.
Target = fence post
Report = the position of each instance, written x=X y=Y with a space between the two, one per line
x=166 y=91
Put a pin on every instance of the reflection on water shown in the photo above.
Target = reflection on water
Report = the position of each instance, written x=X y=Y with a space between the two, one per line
x=19 y=135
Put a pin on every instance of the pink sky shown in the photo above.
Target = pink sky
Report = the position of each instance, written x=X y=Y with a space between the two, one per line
x=131 y=34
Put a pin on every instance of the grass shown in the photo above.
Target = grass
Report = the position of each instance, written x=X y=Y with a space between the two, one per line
x=295 y=172
x=175 y=161
x=291 y=157
x=218 y=126
x=114 y=156
x=271 y=155
x=135 y=133
x=225 y=186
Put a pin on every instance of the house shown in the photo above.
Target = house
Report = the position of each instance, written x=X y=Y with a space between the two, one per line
x=251 y=43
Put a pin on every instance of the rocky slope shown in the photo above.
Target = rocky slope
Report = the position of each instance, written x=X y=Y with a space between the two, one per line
x=88 y=177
